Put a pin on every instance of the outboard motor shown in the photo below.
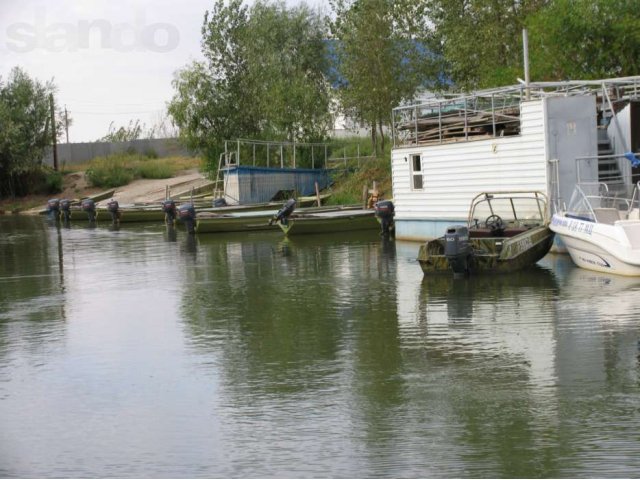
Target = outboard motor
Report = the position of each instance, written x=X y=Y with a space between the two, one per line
x=169 y=209
x=53 y=208
x=283 y=214
x=114 y=209
x=187 y=215
x=457 y=249
x=65 y=209
x=89 y=206
x=385 y=212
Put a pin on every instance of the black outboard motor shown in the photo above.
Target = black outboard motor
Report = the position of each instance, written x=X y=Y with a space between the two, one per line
x=187 y=215
x=65 y=209
x=385 y=212
x=53 y=208
x=219 y=202
x=89 y=206
x=169 y=209
x=457 y=249
x=114 y=209
x=283 y=214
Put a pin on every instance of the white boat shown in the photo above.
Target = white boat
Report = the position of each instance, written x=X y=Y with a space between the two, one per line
x=601 y=230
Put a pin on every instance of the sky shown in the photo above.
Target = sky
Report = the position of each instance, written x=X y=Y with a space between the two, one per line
x=111 y=60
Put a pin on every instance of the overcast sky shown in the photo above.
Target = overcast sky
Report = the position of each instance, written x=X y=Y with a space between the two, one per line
x=112 y=60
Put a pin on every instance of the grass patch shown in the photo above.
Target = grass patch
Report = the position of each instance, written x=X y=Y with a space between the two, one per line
x=122 y=168
x=349 y=184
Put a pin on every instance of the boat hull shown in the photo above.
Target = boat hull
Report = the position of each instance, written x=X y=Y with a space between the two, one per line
x=330 y=222
x=227 y=223
x=601 y=247
x=491 y=255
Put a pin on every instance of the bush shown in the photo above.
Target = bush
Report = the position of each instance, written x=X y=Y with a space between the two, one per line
x=157 y=169
x=150 y=153
x=110 y=171
x=53 y=181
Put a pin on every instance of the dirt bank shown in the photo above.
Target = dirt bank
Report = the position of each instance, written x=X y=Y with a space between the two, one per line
x=75 y=186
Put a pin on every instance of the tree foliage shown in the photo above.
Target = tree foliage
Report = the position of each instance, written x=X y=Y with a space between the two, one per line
x=25 y=130
x=568 y=39
x=133 y=131
x=264 y=75
x=384 y=54
x=482 y=39
x=585 y=39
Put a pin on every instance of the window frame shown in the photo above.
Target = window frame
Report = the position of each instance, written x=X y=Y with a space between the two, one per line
x=416 y=173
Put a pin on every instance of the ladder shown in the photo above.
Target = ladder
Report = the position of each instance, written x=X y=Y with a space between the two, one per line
x=225 y=160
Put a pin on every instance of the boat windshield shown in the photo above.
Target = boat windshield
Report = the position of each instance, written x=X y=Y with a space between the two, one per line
x=595 y=202
x=514 y=209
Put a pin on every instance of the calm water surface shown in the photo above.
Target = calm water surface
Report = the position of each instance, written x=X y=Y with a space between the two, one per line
x=144 y=353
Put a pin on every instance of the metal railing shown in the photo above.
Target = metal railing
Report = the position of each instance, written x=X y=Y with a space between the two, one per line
x=494 y=112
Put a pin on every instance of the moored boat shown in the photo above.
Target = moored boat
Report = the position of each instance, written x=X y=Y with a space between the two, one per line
x=329 y=222
x=235 y=222
x=505 y=232
x=600 y=230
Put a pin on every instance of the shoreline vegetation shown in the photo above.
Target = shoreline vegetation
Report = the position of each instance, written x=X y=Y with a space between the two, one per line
x=119 y=170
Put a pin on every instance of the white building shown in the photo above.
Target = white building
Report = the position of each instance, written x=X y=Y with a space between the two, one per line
x=542 y=138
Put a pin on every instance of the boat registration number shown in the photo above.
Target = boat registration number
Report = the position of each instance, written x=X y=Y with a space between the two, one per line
x=576 y=226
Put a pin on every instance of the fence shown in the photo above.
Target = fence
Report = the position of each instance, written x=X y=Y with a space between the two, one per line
x=75 y=153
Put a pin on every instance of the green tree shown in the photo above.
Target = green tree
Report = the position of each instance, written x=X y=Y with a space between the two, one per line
x=264 y=76
x=25 y=130
x=133 y=131
x=585 y=39
x=384 y=53
x=482 y=39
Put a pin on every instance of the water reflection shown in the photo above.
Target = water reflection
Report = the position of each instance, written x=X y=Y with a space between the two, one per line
x=256 y=355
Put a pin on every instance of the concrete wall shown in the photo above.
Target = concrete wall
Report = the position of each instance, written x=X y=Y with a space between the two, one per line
x=74 y=153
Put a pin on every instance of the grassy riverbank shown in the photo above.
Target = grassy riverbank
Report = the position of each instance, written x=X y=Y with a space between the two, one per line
x=360 y=170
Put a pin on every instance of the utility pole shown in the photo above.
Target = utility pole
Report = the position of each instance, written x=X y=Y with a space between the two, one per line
x=53 y=133
x=66 y=123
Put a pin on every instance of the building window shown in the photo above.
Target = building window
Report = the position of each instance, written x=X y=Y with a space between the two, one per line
x=416 y=172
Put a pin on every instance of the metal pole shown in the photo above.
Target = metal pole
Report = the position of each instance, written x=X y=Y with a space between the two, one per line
x=267 y=154
x=313 y=161
x=466 y=130
x=525 y=47
x=254 y=154
x=440 y=122
x=281 y=157
x=325 y=157
x=493 y=115
x=294 y=154
x=54 y=134
x=238 y=159
x=415 y=121
x=66 y=123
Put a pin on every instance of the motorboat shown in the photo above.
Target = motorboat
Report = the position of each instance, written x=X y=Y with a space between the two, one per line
x=601 y=229
x=505 y=232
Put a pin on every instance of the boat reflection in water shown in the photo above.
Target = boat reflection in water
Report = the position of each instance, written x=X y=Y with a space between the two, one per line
x=504 y=319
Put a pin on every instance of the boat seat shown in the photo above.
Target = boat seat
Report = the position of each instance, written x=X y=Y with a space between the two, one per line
x=607 y=215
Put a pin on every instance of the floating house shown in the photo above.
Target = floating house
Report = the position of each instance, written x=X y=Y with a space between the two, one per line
x=542 y=136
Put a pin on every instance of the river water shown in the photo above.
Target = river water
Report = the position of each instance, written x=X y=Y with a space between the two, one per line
x=145 y=353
